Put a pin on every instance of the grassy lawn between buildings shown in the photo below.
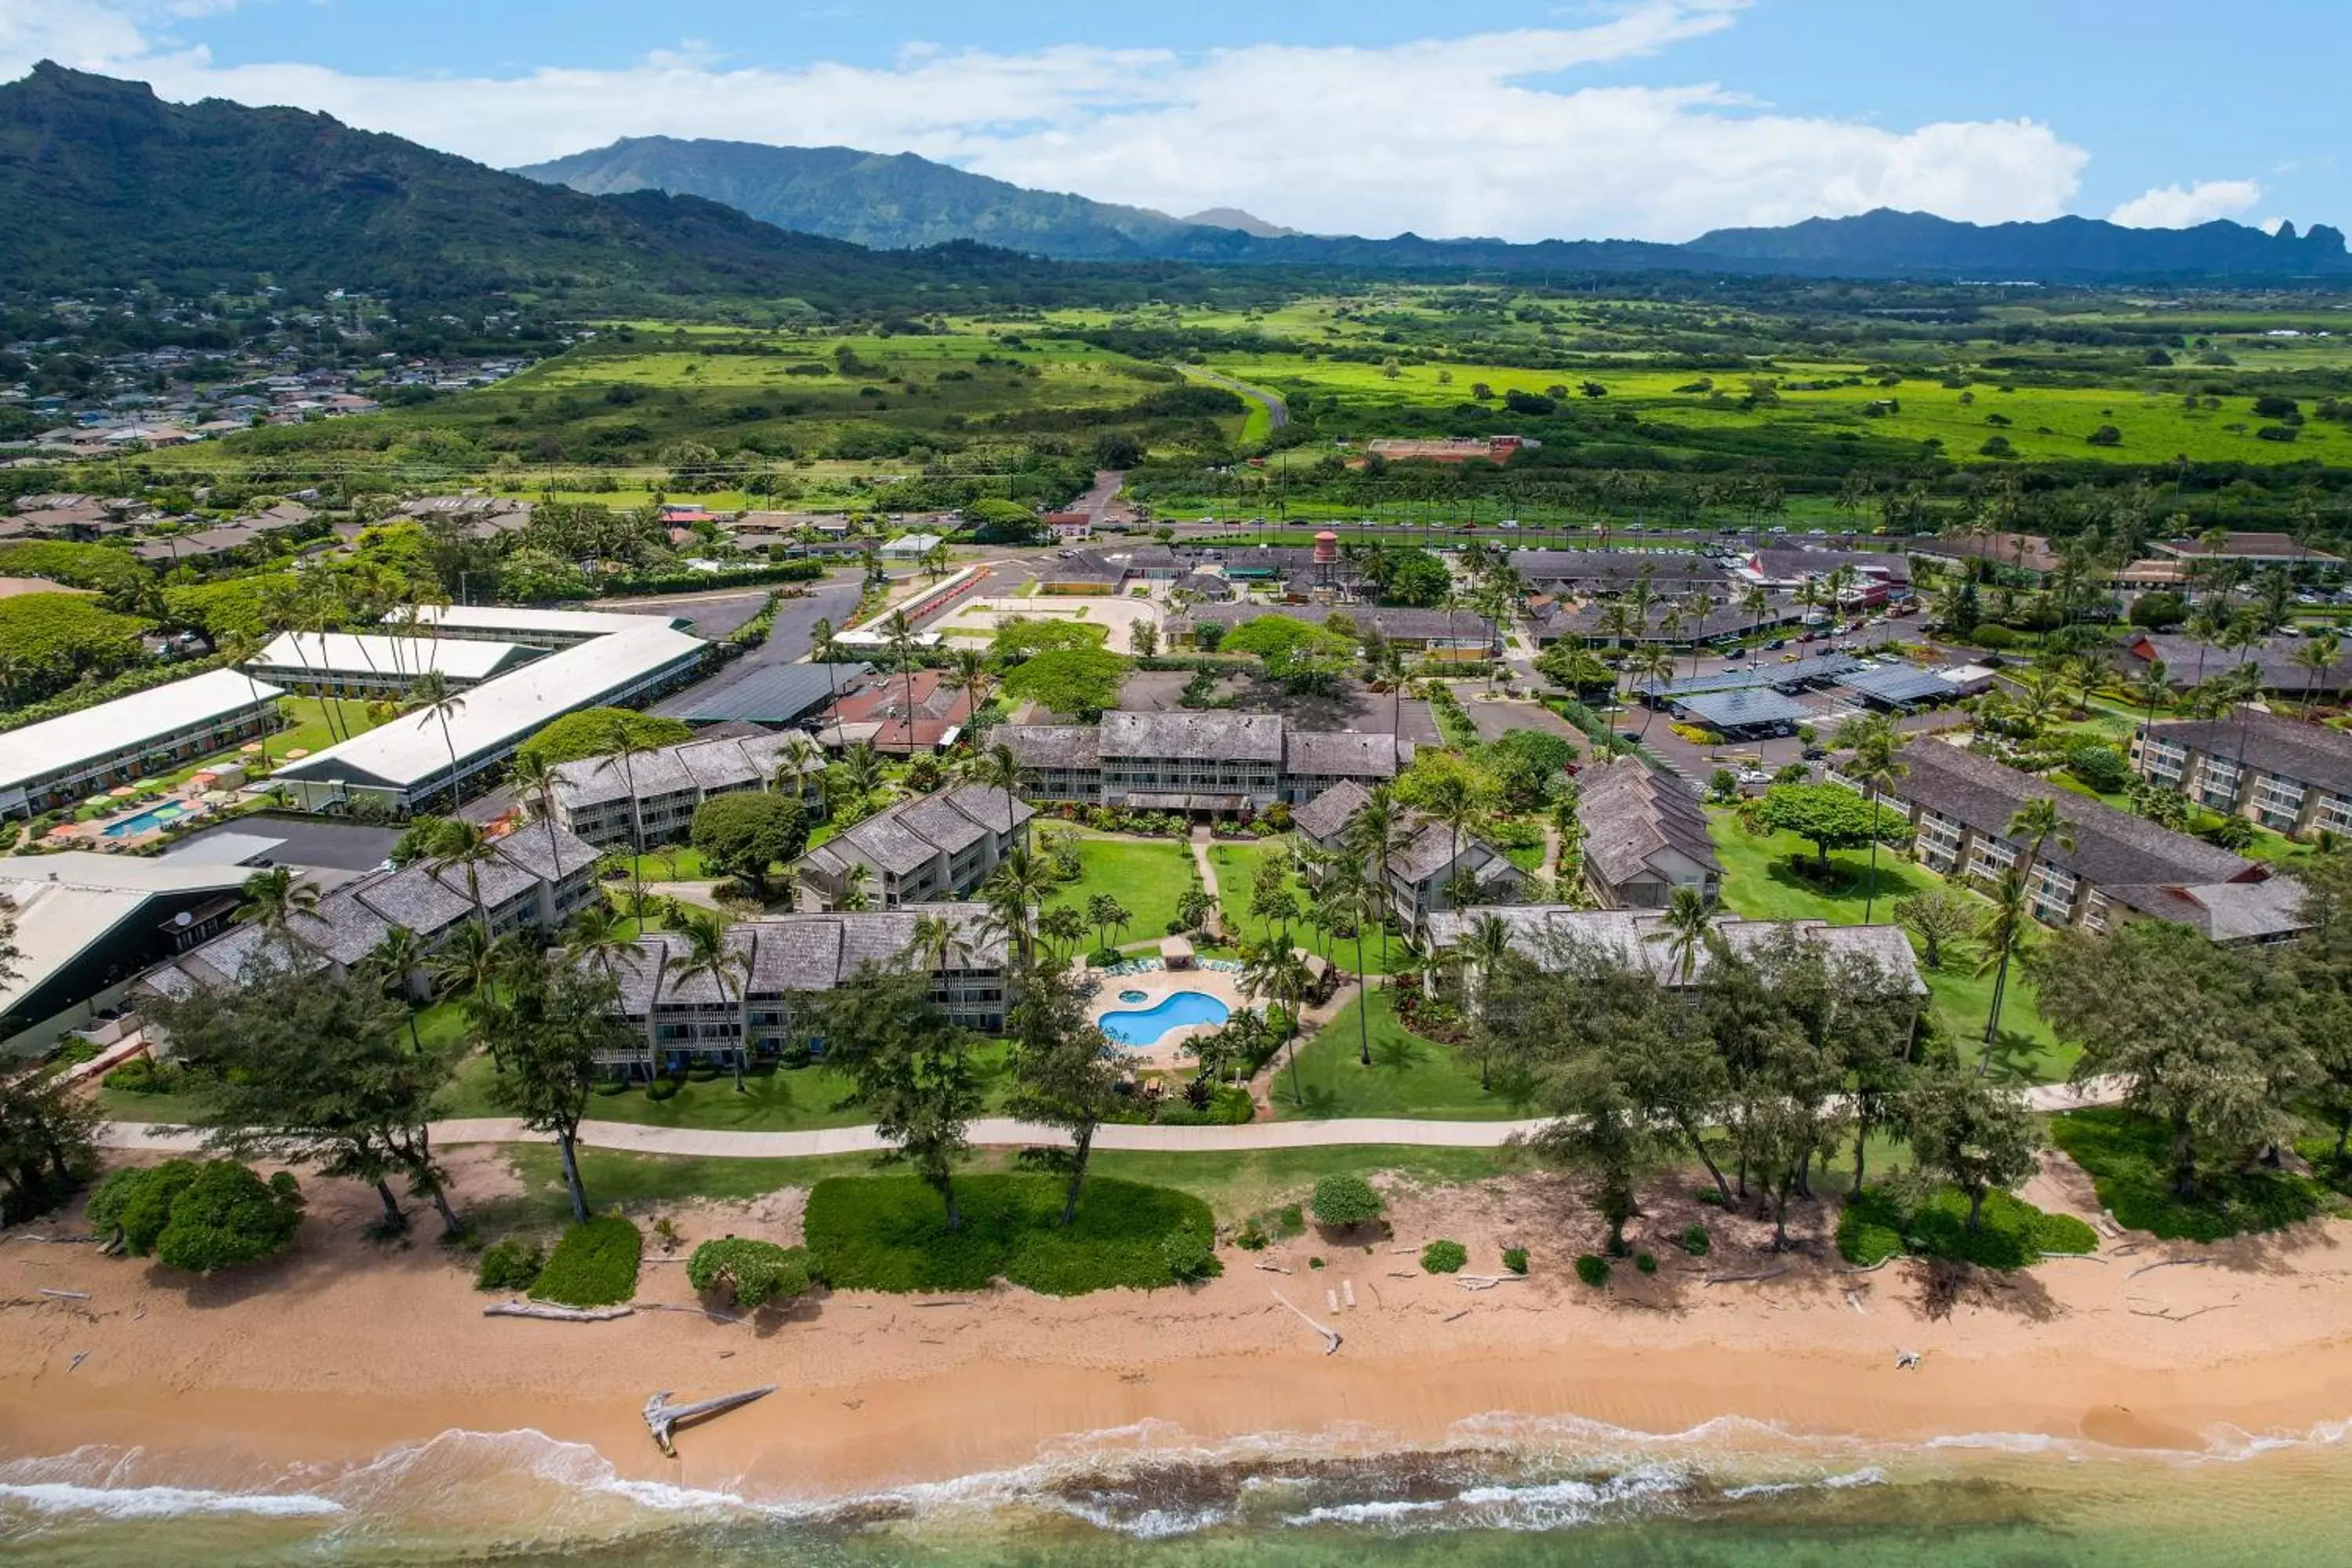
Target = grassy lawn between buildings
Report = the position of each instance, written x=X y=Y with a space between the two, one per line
x=1147 y=875
x=1410 y=1075
x=1758 y=884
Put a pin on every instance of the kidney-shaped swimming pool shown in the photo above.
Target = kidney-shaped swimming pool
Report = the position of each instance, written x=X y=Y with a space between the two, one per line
x=1144 y=1025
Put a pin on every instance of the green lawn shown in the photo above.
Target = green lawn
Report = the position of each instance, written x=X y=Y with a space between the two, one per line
x=1409 y=1076
x=1236 y=867
x=310 y=731
x=1146 y=875
x=1758 y=884
x=788 y=1099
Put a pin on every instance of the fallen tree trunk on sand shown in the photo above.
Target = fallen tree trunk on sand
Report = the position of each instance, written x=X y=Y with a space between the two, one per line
x=1330 y=1336
x=662 y=1418
x=555 y=1314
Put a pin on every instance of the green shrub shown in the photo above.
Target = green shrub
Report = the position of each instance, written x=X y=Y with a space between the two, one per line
x=141 y=1076
x=1645 y=1262
x=889 y=1233
x=1710 y=1197
x=1291 y=1218
x=1695 y=1240
x=1443 y=1257
x=1342 y=1199
x=1878 y=1223
x=1314 y=1263
x=1189 y=1257
x=2129 y=1158
x=1995 y=637
x=702 y=1072
x=748 y=1272
x=203 y=1216
x=578 y=736
x=1252 y=1238
x=662 y=1088
x=1593 y=1270
x=1515 y=1258
x=596 y=1264
x=2100 y=766
x=513 y=1264
x=608 y=1087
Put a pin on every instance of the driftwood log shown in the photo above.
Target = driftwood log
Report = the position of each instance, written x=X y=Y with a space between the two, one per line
x=663 y=1418
x=1330 y=1336
x=555 y=1314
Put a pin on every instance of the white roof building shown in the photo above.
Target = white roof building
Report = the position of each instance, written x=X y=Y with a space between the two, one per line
x=516 y=623
x=60 y=761
x=351 y=662
x=910 y=546
x=400 y=763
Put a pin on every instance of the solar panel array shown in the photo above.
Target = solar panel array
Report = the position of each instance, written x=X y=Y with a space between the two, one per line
x=1744 y=710
x=1902 y=684
x=1803 y=671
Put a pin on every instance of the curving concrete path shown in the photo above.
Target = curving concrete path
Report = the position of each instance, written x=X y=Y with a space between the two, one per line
x=991 y=1132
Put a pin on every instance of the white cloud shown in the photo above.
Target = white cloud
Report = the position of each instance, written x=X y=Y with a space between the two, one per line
x=2185 y=206
x=1467 y=135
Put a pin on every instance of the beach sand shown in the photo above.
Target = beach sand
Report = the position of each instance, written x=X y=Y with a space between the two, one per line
x=346 y=1347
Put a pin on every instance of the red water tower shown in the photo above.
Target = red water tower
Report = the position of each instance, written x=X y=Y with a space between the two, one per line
x=1327 y=557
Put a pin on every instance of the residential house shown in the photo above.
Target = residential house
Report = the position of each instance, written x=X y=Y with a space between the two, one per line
x=1425 y=864
x=1644 y=836
x=1212 y=763
x=931 y=847
x=903 y=714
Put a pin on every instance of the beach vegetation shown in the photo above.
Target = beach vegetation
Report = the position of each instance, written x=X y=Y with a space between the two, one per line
x=1593 y=1270
x=1645 y=1262
x=48 y=1137
x=1975 y=1134
x=594 y=1264
x=2133 y=1159
x=556 y=1019
x=513 y=1264
x=748 y=1272
x=1443 y=1257
x=1695 y=1240
x=315 y=1069
x=1190 y=1256
x=1942 y=1221
x=1343 y=1200
x=1515 y=1258
x=910 y=1067
x=1066 y=1071
x=200 y=1215
x=892 y=1233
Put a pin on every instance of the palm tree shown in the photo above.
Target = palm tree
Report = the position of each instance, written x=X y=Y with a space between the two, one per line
x=998 y=769
x=1482 y=948
x=1021 y=883
x=1757 y=603
x=936 y=940
x=708 y=953
x=1658 y=665
x=595 y=939
x=2316 y=657
x=623 y=743
x=239 y=648
x=535 y=781
x=399 y=954
x=431 y=692
x=464 y=845
x=821 y=649
x=854 y=894
x=901 y=632
x=2153 y=689
x=1275 y=971
x=273 y=898
x=1356 y=897
x=1873 y=742
x=1683 y=931
x=972 y=677
x=2035 y=825
x=864 y=766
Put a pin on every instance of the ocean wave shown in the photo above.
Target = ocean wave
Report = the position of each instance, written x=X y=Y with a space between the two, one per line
x=159 y=1502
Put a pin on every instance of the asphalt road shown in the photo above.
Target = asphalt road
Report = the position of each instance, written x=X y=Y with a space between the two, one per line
x=1277 y=412
x=789 y=636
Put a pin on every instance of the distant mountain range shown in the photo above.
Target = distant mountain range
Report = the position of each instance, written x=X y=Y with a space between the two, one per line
x=890 y=200
x=104 y=184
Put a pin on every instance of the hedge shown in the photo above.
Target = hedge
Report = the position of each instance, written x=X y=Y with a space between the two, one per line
x=2012 y=1233
x=98 y=566
x=596 y=1264
x=890 y=1232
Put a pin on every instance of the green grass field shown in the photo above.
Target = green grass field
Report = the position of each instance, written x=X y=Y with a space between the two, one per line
x=1758 y=884
x=1410 y=1075
x=1147 y=875
x=1236 y=864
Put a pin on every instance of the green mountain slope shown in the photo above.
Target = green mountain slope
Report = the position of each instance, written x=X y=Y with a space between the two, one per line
x=104 y=184
x=882 y=199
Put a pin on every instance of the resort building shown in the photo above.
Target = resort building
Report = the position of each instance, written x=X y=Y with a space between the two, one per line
x=2289 y=776
x=1544 y=934
x=422 y=757
x=652 y=797
x=686 y=1018
x=1210 y=763
x=368 y=665
x=1424 y=864
x=1644 y=836
x=61 y=762
x=517 y=623
x=2283 y=663
x=919 y=851
x=534 y=881
x=88 y=925
x=2118 y=867
x=901 y=714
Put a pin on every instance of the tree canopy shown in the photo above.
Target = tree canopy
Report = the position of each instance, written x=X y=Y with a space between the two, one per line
x=1829 y=816
x=588 y=733
x=1080 y=682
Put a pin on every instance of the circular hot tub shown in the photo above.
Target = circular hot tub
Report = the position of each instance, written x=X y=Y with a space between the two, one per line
x=1134 y=996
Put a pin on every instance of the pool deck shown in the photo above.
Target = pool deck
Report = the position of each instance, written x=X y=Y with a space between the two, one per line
x=93 y=834
x=1157 y=985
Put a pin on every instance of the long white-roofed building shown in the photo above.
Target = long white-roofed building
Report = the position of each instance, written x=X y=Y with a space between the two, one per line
x=524 y=624
x=60 y=760
x=418 y=757
x=363 y=664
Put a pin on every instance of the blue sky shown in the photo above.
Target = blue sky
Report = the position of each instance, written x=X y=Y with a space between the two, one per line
x=1653 y=118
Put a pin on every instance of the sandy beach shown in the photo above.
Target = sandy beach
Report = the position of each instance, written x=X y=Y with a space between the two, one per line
x=346 y=1348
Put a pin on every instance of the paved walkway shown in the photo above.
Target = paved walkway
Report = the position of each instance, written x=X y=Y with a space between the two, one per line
x=991 y=1132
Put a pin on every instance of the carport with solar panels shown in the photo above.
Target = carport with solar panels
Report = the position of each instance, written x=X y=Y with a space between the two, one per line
x=1902 y=686
x=1791 y=677
x=1744 y=713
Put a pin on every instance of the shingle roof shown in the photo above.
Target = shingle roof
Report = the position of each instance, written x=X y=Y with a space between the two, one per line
x=1331 y=811
x=1342 y=754
x=1544 y=933
x=1242 y=737
x=907 y=835
x=1629 y=815
x=2310 y=755
x=1052 y=745
x=2113 y=848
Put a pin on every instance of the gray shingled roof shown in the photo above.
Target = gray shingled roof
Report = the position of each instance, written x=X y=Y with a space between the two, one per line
x=1629 y=815
x=1341 y=754
x=1332 y=810
x=1243 y=737
x=2310 y=755
x=905 y=837
x=1053 y=745
x=1543 y=933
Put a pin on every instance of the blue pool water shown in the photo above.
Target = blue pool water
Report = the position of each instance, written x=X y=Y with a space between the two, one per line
x=163 y=816
x=1143 y=1026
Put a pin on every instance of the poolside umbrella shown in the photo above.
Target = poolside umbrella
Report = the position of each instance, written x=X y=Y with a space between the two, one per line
x=297 y=752
x=250 y=748
x=121 y=791
x=99 y=800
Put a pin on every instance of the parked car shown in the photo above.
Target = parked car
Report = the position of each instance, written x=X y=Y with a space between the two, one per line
x=1776 y=645
x=1731 y=653
x=1812 y=753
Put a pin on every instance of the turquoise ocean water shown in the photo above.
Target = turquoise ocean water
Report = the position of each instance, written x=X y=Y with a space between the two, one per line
x=1499 y=1490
